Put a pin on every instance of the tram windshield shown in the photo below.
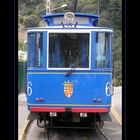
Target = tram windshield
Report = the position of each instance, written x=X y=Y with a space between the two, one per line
x=68 y=50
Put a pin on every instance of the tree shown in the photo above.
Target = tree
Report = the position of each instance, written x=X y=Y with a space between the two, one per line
x=115 y=10
x=104 y=19
x=21 y=45
x=117 y=60
x=31 y=21
x=90 y=8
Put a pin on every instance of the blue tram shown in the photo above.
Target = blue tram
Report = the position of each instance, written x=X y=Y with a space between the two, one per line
x=69 y=70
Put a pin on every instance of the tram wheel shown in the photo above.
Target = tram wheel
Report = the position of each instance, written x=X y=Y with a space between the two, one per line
x=99 y=124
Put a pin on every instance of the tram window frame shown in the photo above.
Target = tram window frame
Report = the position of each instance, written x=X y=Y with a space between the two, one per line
x=35 y=49
x=103 y=45
x=63 y=66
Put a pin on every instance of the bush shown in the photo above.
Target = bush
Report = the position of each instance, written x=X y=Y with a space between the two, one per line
x=31 y=21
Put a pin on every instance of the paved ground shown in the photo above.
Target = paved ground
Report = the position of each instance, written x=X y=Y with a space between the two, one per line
x=22 y=109
x=22 y=115
x=112 y=131
x=23 y=112
x=117 y=100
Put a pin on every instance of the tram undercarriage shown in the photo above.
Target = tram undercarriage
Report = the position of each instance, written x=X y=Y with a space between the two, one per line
x=70 y=120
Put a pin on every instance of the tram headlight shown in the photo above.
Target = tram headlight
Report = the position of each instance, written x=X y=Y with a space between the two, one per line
x=83 y=115
x=53 y=114
x=69 y=17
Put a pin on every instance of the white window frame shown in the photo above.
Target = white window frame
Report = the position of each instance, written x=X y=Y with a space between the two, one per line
x=69 y=31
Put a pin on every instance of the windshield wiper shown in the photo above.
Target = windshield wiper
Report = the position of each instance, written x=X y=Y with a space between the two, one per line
x=71 y=70
x=74 y=66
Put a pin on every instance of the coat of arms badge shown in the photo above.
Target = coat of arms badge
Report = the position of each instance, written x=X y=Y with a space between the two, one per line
x=68 y=89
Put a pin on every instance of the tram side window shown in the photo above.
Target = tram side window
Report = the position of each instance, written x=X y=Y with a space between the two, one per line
x=102 y=59
x=34 y=49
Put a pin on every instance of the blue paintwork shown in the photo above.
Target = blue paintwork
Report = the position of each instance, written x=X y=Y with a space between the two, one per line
x=93 y=42
x=44 y=49
x=85 y=88
x=87 y=84
x=93 y=18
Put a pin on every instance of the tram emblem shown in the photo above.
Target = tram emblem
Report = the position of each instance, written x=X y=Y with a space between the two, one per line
x=68 y=89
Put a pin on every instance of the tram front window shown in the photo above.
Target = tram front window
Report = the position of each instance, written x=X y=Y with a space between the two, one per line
x=68 y=49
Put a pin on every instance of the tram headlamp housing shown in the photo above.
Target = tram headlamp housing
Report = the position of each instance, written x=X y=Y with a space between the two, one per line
x=53 y=114
x=83 y=115
x=69 y=17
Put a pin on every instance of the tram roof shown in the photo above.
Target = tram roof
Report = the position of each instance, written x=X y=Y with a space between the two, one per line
x=70 y=29
x=76 y=14
x=92 y=18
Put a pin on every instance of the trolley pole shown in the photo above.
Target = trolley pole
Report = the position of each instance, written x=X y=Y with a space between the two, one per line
x=47 y=7
x=98 y=7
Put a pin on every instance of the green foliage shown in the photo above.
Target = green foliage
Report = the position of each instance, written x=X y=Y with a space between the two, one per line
x=90 y=8
x=117 y=73
x=104 y=19
x=31 y=21
x=115 y=10
x=117 y=59
x=21 y=45
x=117 y=49
x=40 y=9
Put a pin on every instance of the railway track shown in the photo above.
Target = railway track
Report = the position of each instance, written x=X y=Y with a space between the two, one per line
x=33 y=132
x=102 y=133
x=110 y=131
x=91 y=134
